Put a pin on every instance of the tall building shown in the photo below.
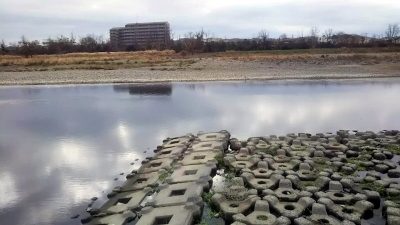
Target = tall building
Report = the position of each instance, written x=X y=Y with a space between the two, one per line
x=136 y=36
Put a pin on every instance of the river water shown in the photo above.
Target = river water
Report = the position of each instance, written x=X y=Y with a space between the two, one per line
x=62 y=145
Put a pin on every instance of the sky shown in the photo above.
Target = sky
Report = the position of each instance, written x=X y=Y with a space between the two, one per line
x=40 y=19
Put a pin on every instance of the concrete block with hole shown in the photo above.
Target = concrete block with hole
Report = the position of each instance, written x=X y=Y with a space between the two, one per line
x=113 y=219
x=354 y=212
x=261 y=183
x=178 y=194
x=177 y=141
x=320 y=216
x=262 y=170
x=193 y=158
x=291 y=210
x=260 y=216
x=338 y=196
x=139 y=181
x=171 y=215
x=286 y=192
x=192 y=173
x=169 y=152
x=123 y=201
x=235 y=198
x=235 y=164
x=222 y=135
x=198 y=146
x=156 y=165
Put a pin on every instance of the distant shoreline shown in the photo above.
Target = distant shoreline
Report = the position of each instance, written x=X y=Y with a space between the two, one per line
x=148 y=67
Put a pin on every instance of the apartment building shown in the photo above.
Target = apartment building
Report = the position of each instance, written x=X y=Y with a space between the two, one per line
x=137 y=36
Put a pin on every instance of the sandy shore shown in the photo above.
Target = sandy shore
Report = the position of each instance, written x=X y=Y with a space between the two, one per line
x=207 y=69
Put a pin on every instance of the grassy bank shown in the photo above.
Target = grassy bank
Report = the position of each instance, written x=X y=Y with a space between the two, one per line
x=169 y=60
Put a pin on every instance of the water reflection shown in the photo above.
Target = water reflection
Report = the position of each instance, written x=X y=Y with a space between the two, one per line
x=60 y=146
x=145 y=89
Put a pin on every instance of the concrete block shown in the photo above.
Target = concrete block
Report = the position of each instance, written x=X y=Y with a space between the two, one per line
x=178 y=141
x=320 y=216
x=191 y=173
x=285 y=192
x=352 y=213
x=156 y=165
x=291 y=210
x=260 y=216
x=213 y=136
x=198 y=146
x=139 y=181
x=179 y=194
x=114 y=219
x=231 y=161
x=261 y=183
x=193 y=158
x=171 y=215
x=170 y=152
x=123 y=201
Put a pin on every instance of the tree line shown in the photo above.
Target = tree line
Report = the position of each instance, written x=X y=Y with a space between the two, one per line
x=196 y=42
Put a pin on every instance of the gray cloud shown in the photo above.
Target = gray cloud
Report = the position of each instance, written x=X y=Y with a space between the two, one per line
x=43 y=18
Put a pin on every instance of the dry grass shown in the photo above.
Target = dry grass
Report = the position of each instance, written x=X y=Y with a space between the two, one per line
x=112 y=60
x=169 y=60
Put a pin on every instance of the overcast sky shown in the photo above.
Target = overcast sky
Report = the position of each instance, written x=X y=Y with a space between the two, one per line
x=39 y=19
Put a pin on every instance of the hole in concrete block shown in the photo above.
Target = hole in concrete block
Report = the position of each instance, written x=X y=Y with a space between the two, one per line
x=323 y=221
x=141 y=180
x=286 y=192
x=289 y=207
x=339 y=195
x=177 y=192
x=155 y=164
x=174 y=142
x=162 y=220
x=347 y=210
x=190 y=172
x=233 y=205
x=262 y=171
x=165 y=153
x=262 y=217
x=261 y=182
x=123 y=201
x=211 y=136
x=241 y=164
x=206 y=145
x=197 y=157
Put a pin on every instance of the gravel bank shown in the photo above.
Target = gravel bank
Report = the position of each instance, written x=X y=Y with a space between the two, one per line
x=206 y=70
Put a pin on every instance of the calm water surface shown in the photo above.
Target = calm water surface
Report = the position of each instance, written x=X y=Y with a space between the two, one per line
x=62 y=145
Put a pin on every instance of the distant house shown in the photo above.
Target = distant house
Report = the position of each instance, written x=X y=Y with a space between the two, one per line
x=135 y=36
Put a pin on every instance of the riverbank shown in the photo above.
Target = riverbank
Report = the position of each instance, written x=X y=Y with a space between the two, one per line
x=167 y=67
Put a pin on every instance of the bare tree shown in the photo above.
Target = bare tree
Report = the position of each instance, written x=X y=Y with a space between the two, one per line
x=194 y=41
x=3 y=47
x=263 y=38
x=328 y=34
x=392 y=32
x=314 y=36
